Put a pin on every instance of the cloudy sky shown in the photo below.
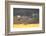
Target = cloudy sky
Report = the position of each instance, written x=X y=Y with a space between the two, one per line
x=24 y=11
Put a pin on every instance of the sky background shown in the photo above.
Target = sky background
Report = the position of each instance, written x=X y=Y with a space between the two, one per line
x=25 y=11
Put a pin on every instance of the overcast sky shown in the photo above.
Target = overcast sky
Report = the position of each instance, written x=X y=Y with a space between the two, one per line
x=24 y=11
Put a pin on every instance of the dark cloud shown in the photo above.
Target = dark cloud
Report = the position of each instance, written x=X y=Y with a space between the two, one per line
x=24 y=11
